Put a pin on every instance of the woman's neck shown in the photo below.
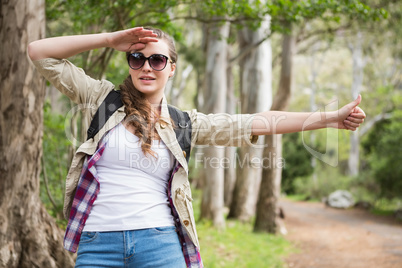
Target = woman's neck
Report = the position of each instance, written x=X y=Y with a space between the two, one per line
x=155 y=105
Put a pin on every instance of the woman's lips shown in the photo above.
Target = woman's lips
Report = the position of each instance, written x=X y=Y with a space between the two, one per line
x=147 y=80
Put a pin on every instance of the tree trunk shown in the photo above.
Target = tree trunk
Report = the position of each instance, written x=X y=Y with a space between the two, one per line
x=267 y=219
x=230 y=152
x=358 y=66
x=215 y=88
x=315 y=66
x=256 y=96
x=29 y=237
x=267 y=216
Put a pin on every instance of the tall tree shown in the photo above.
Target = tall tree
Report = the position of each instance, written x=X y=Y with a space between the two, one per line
x=267 y=210
x=357 y=82
x=256 y=96
x=230 y=152
x=29 y=237
x=215 y=88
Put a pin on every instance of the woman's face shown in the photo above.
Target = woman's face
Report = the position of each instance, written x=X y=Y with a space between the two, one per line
x=148 y=81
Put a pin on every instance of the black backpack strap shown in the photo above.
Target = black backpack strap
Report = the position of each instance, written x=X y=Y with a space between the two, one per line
x=110 y=104
x=182 y=129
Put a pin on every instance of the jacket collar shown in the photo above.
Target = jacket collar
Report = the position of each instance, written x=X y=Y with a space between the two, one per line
x=165 y=111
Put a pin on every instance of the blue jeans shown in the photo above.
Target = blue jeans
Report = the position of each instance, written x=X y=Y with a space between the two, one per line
x=154 y=247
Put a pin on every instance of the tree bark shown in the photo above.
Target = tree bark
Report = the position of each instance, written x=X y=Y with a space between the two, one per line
x=315 y=66
x=358 y=66
x=267 y=218
x=256 y=96
x=230 y=152
x=29 y=237
x=212 y=204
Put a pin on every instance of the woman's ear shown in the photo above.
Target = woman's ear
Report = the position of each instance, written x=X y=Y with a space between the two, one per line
x=172 y=70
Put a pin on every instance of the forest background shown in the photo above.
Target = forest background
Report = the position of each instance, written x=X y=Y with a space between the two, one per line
x=246 y=57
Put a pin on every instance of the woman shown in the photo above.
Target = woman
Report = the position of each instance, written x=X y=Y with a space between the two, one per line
x=121 y=212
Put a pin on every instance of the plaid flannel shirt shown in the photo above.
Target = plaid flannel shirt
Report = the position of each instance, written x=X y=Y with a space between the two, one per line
x=86 y=193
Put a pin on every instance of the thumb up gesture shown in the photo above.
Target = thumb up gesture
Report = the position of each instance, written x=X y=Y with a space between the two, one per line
x=350 y=116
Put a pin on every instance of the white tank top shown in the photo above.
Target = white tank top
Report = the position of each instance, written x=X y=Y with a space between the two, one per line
x=133 y=187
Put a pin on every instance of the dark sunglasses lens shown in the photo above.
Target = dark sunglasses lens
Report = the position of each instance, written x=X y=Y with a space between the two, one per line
x=158 y=62
x=136 y=61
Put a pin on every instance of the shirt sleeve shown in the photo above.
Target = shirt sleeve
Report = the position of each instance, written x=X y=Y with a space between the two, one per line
x=72 y=81
x=222 y=129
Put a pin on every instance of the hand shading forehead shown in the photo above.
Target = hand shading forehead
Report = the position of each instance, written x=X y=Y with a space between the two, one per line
x=160 y=47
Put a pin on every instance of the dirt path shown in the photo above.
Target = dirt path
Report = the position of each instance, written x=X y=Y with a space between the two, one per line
x=327 y=237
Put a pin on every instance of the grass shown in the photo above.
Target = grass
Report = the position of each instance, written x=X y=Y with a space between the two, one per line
x=238 y=246
x=301 y=197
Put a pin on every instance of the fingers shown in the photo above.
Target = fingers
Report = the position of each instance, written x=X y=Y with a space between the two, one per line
x=148 y=39
x=137 y=46
x=357 y=111
x=143 y=36
x=142 y=43
x=138 y=35
x=356 y=120
x=358 y=115
x=353 y=121
x=132 y=39
x=350 y=124
x=140 y=32
x=351 y=128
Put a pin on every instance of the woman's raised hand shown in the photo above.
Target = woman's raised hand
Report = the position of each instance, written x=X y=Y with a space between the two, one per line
x=350 y=116
x=131 y=39
x=63 y=47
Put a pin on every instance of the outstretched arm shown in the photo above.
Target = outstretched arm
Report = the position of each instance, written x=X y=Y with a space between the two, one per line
x=348 y=117
x=66 y=46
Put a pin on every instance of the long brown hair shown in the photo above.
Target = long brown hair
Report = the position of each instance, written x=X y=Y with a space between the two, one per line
x=136 y=106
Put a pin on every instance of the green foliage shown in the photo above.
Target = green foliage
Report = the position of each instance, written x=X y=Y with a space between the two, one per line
x=89 y=16
x=116 y=71
x=110 y=15
x=386 y=206
x=297 y=159
x=324 y=181
x=55 y=162
x=383 y=147
x=285 y=12
x=105 y=15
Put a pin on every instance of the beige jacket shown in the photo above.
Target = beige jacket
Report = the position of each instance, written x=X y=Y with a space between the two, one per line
x=88 y=94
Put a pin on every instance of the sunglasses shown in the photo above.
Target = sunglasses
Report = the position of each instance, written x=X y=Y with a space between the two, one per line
x=157 y=61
